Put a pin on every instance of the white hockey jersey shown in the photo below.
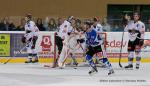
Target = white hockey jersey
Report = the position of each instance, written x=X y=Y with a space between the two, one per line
x=31 y=30
x=64 y=29
x=67 y=36
x=135 y=29
x=99 y=30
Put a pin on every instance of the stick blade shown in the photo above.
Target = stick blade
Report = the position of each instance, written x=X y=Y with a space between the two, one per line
x=120 y=65
x=5 y=62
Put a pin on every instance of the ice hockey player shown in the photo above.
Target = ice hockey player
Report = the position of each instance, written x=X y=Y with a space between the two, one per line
x=60 y=37
x=30 y=38
x=98 y=28
x=72 y=42
x=93 y=46
x=136 y=31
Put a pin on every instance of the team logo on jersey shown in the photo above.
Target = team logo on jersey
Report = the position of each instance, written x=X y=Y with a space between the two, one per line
x=46 y=43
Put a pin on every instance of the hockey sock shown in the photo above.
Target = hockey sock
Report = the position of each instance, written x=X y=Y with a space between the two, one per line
x=107 y=63
x=90 y=60
x=130 y=58
x=138 y=58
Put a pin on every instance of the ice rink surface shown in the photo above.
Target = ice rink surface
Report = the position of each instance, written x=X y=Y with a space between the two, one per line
x=37 y=75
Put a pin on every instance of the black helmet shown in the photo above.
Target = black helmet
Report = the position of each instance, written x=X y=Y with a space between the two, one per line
x=88 y=22
x=95 y=19
x=70 y=18
x=29 y=16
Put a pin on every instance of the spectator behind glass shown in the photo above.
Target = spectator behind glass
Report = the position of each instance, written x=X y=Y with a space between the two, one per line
x=106 y=26
x=148 y=26
x=46 y=24
x=52 y=25
x=39 y=24
x=21 y=26
x=117 y=28
x=60 y=21
x=11 y=26
x=4 y=24
x=126 y=19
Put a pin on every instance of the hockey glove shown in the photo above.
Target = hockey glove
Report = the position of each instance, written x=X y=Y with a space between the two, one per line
x=141 y=42
x=34 y=42
x=23 y=39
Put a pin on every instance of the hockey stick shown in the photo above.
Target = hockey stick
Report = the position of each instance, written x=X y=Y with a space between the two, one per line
x=68 y=52
x=120 y=56
x=103 y=51
x=15 y=54
x=83 y=51
x=66 y=55
x=141 y=38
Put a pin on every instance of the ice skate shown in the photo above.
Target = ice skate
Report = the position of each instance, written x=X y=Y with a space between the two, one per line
x=111 y=72
x=129 y=66
x=93 y=71
x=137 y=66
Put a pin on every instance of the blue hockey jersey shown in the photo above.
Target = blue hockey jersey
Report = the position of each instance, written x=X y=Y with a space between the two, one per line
x=92 y=38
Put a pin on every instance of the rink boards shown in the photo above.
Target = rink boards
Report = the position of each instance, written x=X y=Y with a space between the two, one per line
x=11 y=42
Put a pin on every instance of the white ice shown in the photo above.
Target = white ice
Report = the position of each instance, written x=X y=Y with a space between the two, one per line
x=37 y=75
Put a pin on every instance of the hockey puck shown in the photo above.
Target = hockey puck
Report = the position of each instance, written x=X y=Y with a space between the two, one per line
x=47 y=66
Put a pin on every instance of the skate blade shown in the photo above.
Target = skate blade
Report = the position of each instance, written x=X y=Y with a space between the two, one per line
x=47 y=66
x=61 y=68
x=128 y=68
x=91 y=74
x=111 y=73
